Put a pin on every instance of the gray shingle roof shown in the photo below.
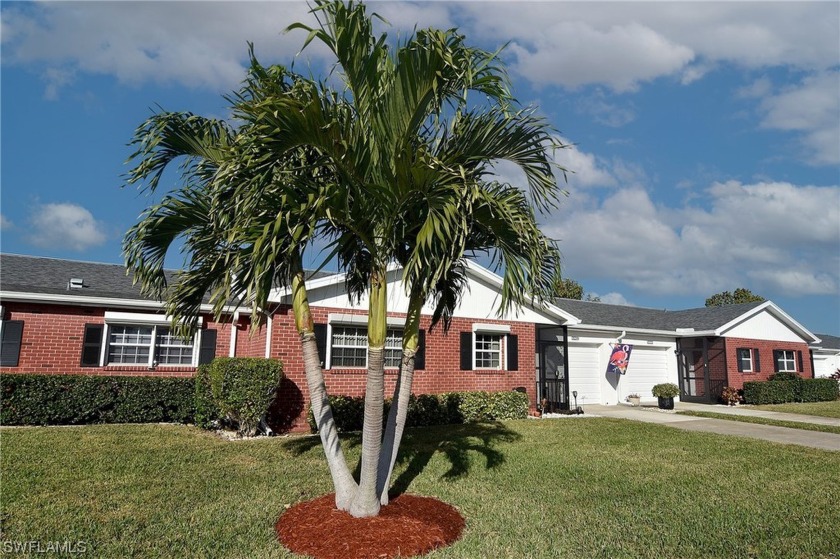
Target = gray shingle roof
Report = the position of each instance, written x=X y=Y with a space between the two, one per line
x=828 y=342
x=603 y=314
x=35 y=274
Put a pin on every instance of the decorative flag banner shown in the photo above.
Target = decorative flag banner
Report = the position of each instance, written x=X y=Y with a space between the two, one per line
x=619 y=359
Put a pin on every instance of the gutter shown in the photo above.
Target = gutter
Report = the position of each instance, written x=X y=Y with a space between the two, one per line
x=88 y=301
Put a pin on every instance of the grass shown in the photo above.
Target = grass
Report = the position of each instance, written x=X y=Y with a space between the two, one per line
x=764 y=421
x=822 y=409
x=579 y=488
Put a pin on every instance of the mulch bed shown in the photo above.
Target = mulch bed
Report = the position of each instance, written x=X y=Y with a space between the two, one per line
x=409 y=526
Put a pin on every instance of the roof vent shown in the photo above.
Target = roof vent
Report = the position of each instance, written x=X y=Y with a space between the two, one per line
x=75 y=283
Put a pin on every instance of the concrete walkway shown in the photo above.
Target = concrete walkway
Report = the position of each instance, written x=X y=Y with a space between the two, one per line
x=783 y=435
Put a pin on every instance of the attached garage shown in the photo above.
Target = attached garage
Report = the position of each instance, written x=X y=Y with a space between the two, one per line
x=648 y=366
x=584 y=376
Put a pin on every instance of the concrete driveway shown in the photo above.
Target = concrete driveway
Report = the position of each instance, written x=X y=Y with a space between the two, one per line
x=783 y=435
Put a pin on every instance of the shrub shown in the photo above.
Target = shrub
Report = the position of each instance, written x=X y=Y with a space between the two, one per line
x=784 y=376
x=206 y=411
x=434 y=409
x=730 y=395
x=666 y=390
x=782 y=391
x=81 y=399
x=243 y=388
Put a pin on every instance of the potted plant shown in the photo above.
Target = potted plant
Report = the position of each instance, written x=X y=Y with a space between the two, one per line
x=665 y=392
x=634 y=399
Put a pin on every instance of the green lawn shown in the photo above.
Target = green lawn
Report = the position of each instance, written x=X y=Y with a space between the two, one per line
x=576 y=488
x=824 y=409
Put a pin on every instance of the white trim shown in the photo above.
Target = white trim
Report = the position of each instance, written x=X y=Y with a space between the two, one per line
x=491 y=328
x=88 y=301
x=362 y=319
x=268 y=327
x=140 y=318
x=233 y=334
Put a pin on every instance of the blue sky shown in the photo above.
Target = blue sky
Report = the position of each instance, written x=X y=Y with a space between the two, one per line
x=705 y=137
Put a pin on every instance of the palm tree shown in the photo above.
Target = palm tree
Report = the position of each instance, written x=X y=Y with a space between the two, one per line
x=395 y=168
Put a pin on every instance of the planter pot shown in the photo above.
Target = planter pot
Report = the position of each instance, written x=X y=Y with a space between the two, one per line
x=666 y=403
x=635 y=402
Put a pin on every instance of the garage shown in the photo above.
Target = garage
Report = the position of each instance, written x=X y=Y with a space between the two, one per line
x=648 y=366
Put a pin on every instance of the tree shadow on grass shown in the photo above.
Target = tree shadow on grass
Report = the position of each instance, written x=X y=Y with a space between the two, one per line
x=462 y=445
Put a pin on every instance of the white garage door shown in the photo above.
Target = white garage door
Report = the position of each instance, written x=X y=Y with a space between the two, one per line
x=584 y=373
x=648 y=366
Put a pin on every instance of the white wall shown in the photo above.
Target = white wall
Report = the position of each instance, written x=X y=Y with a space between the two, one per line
x=481 y=301
x=764 y=326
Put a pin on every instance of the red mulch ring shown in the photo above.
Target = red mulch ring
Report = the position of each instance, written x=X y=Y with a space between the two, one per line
x=410 y=525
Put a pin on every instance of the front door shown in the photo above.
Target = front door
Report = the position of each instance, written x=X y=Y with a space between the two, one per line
x=693 y=371
x=553 y=384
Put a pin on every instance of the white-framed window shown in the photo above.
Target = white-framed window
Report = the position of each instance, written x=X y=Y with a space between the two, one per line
x=145 y=340
x=150 y=345
x=349 y=347
x=487 y=350
x=785 y=360
x=745 y=360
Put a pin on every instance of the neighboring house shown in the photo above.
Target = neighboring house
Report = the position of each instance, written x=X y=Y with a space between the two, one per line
x=826 y=355
x=61 y=316
x=702 y=350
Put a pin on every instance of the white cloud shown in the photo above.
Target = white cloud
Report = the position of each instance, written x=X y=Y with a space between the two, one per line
x=772 y=237
x=585 y=170
x=813 y=108
x=65 y=225
x=613 y=298
x=574 y=54
x=621 y=44
x=5 y=223
x=193 y=44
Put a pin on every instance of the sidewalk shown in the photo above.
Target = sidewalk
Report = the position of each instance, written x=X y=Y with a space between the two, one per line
x=782 y=435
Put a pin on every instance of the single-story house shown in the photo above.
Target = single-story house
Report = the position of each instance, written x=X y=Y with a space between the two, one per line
x=68 y=317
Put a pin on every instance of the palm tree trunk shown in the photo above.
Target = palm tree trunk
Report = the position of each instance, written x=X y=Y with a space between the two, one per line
x=366 y=502
x=343 y=482
x=399 y=403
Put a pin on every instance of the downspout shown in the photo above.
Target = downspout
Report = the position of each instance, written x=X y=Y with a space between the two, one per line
x=233 y=328
x=269 y=322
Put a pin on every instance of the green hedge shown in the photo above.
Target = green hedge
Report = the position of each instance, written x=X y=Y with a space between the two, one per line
x=783 y=391
x=81 y=399
x=434 y=409
x=241 y=388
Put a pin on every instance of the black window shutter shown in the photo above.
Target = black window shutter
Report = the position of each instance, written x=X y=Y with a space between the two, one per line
x=740 y=361
x=466 y=351
x=512 y=352
x=10 y=346
x=420 y=356
x=321 y=339
x=776 y=354
x=92 y=345
x=799 y=359
x=207 y=352
x=756 y=360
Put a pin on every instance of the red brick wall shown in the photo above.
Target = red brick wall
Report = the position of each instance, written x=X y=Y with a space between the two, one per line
x=53 y=337
x=765 y=352
x=441 y=374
